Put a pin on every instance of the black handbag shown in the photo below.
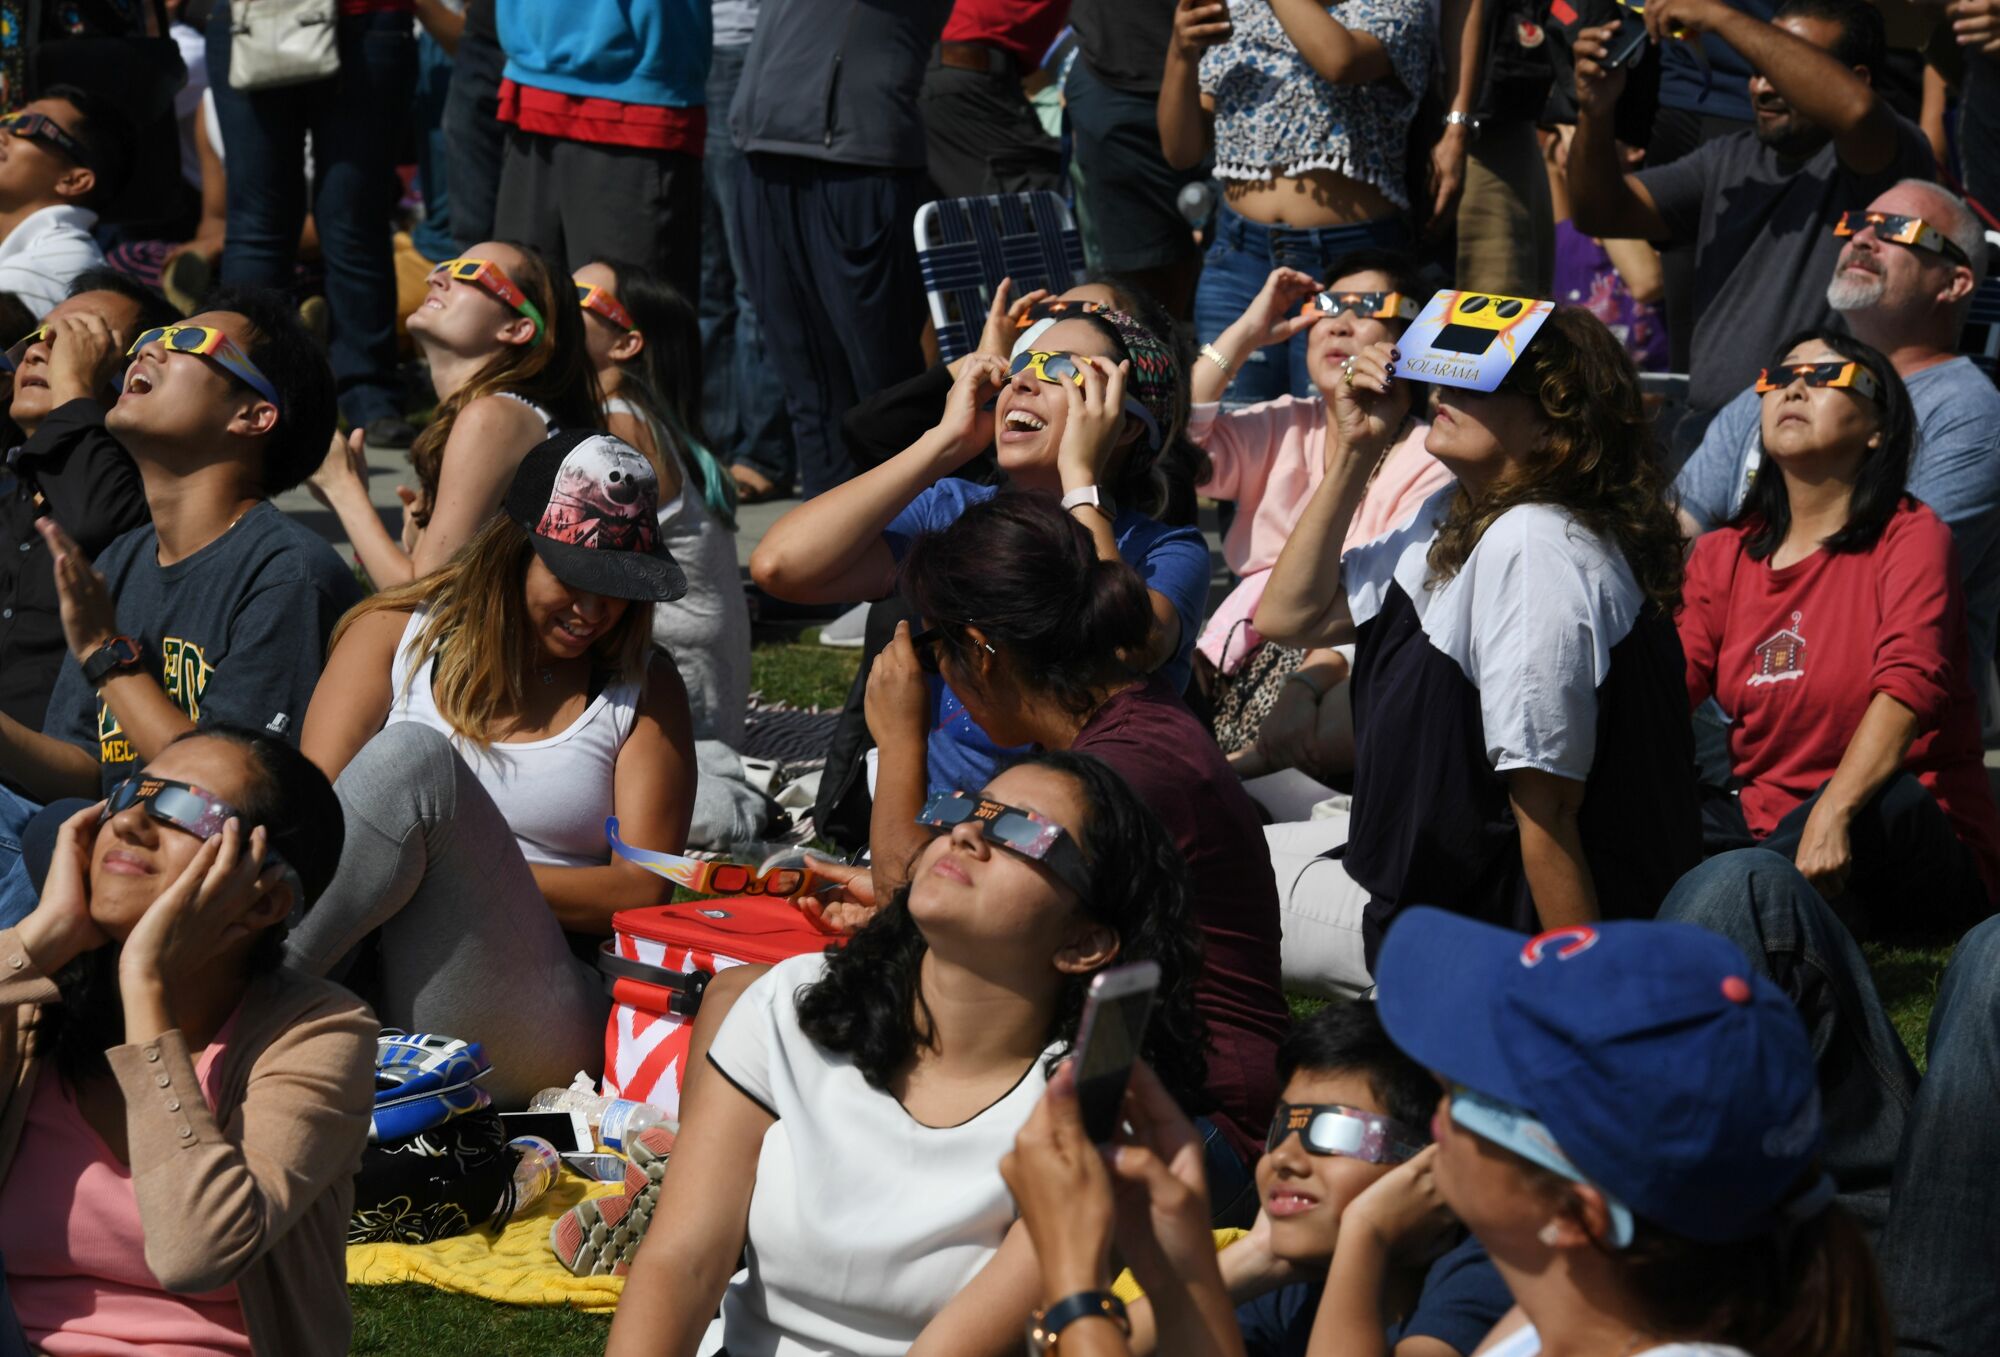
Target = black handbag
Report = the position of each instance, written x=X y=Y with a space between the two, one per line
x=450 y=1180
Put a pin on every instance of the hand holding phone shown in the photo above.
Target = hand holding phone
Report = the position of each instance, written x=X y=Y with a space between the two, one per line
x=1109 y=1039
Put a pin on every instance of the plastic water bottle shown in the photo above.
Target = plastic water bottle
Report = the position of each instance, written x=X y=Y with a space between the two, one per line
x=614 y=1121
x=535 y=1173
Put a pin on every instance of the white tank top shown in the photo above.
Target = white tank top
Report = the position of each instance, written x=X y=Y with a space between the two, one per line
x=554 y=793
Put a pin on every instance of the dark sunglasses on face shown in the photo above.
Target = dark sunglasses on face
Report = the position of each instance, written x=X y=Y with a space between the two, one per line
x=39 y=127
x=1899 y=229
x=1021 y=832
x=10 y=361
x=1351 y=1133
x=1839 y=373
x=191 y=809
x=206 y=341
x=1366 y=305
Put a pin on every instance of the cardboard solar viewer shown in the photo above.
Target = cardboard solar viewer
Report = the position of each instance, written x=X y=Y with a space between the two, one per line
x=1469 y=339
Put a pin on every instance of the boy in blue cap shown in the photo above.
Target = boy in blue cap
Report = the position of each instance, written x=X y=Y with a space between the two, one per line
x=1632 y=1129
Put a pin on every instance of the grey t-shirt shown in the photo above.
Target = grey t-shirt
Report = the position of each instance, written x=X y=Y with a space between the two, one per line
x=1955 y=470
x=733 y=21
x=235 y=633
x=1762 y=229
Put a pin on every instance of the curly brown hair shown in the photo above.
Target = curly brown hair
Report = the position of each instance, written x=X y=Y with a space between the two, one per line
x=1594 y=458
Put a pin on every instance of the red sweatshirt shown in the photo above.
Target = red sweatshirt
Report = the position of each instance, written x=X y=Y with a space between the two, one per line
x=1795 y=656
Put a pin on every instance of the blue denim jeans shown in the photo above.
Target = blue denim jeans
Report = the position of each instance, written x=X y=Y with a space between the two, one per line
x=743 y=407
x=17 y=891
x=356 y=120
x=1760 y=902
x=1241 y=257
x=1232 y=1185
x=1941 y=1253
x=432 y=236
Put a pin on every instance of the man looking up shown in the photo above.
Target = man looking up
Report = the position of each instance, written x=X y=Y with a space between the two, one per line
x=223 y=605
x=1759 y=205
x=68 y=468
x=60 y=157
x=1909 y=300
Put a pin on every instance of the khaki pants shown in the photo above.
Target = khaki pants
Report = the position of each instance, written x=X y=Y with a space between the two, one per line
x=1506 y=225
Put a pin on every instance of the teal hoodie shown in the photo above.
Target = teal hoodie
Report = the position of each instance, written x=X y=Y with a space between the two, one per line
x=634 y=51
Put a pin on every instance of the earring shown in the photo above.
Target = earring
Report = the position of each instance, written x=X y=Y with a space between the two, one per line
x=1550 y=1234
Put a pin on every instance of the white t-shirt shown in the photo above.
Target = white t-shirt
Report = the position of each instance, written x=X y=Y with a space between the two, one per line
x=864 y=1222
x=44 y=254
x=1525 y=1342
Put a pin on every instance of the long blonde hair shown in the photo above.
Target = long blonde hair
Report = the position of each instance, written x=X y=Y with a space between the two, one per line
x=476 y=626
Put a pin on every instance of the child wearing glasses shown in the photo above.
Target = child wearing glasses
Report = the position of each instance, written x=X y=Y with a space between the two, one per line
x=1350 y=1219
x=850 y=1121
x=502 y=335
x=1828 y=619
x=181 y=1118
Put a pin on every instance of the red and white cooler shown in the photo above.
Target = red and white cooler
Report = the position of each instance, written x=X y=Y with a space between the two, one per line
x=658 y=962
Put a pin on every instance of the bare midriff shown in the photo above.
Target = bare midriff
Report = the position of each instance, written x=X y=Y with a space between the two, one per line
x=1315 y=198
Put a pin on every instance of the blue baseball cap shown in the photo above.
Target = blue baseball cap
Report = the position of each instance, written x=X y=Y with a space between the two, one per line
x=1671 y=1075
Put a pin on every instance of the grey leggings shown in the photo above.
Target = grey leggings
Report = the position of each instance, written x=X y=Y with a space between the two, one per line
x=469 y=946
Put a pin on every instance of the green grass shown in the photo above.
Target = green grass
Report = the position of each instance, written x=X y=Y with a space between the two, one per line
x=796 y=668
x=1907 y=980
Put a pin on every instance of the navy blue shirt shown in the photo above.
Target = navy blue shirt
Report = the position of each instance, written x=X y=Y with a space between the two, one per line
x=1463 y=1298
x=1723 y=89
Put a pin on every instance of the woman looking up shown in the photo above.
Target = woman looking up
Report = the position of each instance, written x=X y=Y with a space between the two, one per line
x=503 y=338
x=866 y=1095
x=183 y=1117
x=645 y=344
x=1829 y=621
x=1521 y=748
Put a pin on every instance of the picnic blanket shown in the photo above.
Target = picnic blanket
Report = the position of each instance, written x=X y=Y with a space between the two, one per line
x=515 y=1267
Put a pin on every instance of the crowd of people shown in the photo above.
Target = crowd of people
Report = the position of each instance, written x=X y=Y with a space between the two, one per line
x=1504 y=805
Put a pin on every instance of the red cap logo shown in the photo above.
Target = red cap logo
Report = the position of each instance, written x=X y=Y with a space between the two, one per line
x=1563 y=942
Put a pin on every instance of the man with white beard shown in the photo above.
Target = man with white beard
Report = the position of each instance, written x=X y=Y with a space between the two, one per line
x=1910 y=301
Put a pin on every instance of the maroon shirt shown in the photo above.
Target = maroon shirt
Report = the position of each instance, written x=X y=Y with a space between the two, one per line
x=1168 y=757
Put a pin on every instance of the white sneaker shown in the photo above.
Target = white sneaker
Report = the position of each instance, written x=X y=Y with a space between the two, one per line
x=849 y=631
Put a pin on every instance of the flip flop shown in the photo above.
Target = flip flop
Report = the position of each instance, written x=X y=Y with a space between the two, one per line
x=753 y=487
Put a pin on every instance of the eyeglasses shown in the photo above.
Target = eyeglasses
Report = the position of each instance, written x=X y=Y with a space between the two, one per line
x=1898 y=229
x=1057 y=368
x=1053 y=309
x=1513 y=1128
x=10 y=360
x=205 y=341
x=714 y=878
x=1366 y=305
x=1836 y=373
x=46 y=130
x=1021 y=832
x=926 y=642
x=188 y=808
x=491 y=279
x=1350 y=1132
x=592 y=298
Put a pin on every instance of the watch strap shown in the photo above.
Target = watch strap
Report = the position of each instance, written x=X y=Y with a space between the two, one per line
x=1092 y=495
x=120 y=652
x=1050 y=1323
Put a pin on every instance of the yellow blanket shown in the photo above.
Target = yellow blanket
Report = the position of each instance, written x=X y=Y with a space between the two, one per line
x=515 y=1267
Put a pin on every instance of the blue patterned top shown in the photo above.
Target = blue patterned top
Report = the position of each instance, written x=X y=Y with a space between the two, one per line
x=1275 y=116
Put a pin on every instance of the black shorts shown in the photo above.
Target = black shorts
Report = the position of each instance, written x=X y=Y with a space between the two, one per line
x=1130 y=194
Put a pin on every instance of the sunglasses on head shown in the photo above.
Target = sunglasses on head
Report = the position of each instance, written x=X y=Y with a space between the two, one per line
x=206 y=341
x=926 y=644
x=714 y=878
x=1898 y=229
x=592 y=298
x=1055 y=308
x=1057 y=368
x=1838 y=372
x=1365 y=305
x=40 y=127
x=1021 y=832
x=1350 y=1132
x=491 y=279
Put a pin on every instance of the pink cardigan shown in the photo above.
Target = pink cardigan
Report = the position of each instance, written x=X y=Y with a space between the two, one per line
x=1270 y=458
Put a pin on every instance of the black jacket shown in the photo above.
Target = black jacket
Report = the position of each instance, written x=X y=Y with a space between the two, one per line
x=75 y=472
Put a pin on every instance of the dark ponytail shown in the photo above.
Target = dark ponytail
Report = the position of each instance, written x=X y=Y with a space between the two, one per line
x=1810 y=1290
x=1027 y=575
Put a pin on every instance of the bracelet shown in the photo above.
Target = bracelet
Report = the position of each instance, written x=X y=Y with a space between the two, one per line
x=1299 y=676
x=1214 y=355
x=1048 y=1324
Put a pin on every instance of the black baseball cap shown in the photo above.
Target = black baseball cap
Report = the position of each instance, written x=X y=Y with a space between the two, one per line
x=590 y=504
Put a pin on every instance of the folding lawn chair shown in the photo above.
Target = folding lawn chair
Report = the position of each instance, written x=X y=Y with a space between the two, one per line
x=965 y=246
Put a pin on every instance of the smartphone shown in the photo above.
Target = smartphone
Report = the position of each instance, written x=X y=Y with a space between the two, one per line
x=1108 y=1040
x=567 y=1131
x=1628 y=44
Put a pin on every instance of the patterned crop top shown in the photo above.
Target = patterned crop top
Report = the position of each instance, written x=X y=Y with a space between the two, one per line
x=1275 y=116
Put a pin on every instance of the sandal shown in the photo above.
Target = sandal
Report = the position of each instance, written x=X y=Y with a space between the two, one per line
x=753 y=487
